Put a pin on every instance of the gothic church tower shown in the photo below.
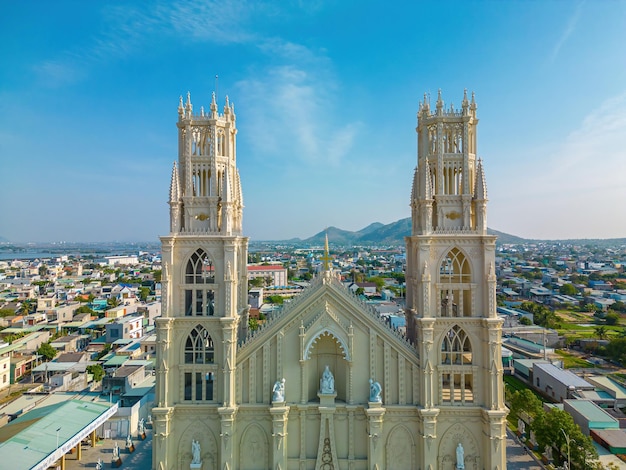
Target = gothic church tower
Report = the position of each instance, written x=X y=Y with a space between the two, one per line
x=451 y=293
x=204 y=292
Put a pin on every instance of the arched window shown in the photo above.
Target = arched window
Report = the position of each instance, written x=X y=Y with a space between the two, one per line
x=456 y=378
x=454 y=285
x=456 y=347
x=199 y=269
x=199 y=301
x=455 y=268
x=199 y=369
x=199 y=347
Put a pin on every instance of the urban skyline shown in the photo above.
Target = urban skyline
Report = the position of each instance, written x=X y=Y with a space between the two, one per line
x=326 y=96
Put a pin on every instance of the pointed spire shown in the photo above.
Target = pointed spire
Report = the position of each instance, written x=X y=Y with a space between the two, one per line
x=181 y=110
x=414 y=190
x=188 y=106
x=227 y=195
x=439 y=102
x=227 y=106
x=213 y=104
x=174 y=186
x=428 y=187
x=480 y=192
x=473 y=105
x=465 y=103
x=326 y=257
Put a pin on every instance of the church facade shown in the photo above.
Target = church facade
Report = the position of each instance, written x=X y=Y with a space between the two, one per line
x=326 y=383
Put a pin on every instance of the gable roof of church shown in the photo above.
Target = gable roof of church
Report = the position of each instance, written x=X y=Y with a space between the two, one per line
x=320 y=287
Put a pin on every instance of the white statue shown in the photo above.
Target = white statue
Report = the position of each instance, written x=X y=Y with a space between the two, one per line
x=129 y=441
x=116 y=452
x=565 y=466
x=195 y=452
x=278 y=392
x=375 y=392
x=548 y=453
x=327 y=382
x=99 y=464
x=521 y=426
x=140 y=427
x=460 y=457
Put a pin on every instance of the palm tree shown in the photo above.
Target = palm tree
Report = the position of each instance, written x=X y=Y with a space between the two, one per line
x=601 y=332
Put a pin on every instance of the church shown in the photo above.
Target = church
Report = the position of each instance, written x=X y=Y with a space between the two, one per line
x=326 y=383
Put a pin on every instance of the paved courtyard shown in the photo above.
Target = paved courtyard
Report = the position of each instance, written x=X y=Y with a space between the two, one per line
x=140 y=459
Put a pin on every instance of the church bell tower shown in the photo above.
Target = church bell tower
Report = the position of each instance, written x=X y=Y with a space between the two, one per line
x=451 y=292
x=204 y=293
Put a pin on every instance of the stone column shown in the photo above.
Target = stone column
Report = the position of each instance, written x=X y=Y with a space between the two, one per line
x=429 y=447
x=375 y=414
x=279 y=414
x=227 y=417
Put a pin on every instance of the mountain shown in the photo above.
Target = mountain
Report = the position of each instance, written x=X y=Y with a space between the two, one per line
x=381 y=234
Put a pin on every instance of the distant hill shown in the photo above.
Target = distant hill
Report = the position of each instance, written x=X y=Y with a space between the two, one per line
x=381 y=234
x=3 y=240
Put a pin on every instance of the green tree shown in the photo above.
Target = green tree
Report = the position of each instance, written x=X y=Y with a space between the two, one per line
x=144 y=292
x=600 y=332
x=157 y=275
x=611 y=318
x=379 y=281
x=84 y=309
x=253 y=324
x=6 y=312
x=256 y=282
x=43 y=270
x=47 y=351
x=525 y=321
x=275 y=299
x=550 y=430
x=525 y=400
x=97 y=371
x=113 y=302
x=568 y=289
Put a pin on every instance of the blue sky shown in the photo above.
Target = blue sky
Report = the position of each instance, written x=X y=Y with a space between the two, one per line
x=326 y=95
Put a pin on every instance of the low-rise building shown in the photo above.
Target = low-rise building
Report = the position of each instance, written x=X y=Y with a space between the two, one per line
x=558 y=384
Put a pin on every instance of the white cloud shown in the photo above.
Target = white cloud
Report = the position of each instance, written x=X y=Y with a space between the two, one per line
x=577 y=187
x=570 y=27
x=289 y=114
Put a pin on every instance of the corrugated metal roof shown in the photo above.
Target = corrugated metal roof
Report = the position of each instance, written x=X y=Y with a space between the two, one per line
x=567 y=378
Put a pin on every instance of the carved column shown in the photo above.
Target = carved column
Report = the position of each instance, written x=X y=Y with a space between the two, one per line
x=375 y=453
x=279 y=434
x=429 y=447
x=227 y=422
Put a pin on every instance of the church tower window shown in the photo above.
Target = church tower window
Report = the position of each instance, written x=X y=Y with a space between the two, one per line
x=199 y=351
x=199 y=301
x=456 y=373
x=455 y=286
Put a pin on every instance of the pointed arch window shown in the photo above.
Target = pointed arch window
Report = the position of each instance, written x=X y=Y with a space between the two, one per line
x=455 y=285
x=199 y=347
x=455 y=269
x=200 y=269
x=456 y=378
x=456 y=347
x=198 y=371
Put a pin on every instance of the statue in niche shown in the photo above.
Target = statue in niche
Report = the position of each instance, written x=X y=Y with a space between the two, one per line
x=278 y=391
x=375 y=392
x=116 y=452
x=460 y=457
x=327 y=382
x=521 y=426
x=195 y=452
